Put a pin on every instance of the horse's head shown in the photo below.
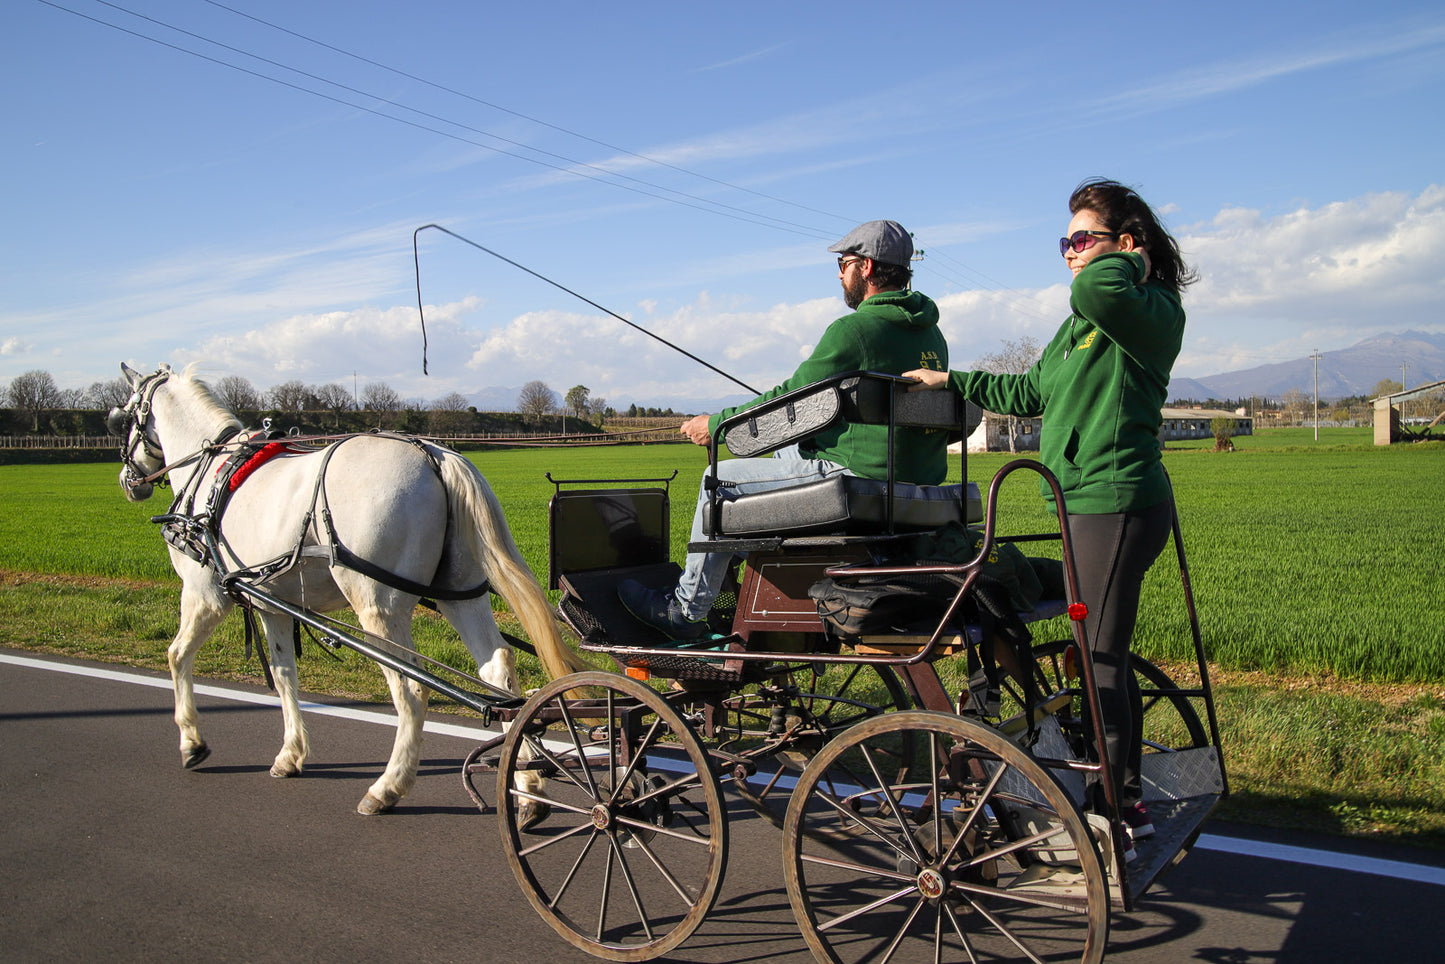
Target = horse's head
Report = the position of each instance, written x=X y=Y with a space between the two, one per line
x=140 y=449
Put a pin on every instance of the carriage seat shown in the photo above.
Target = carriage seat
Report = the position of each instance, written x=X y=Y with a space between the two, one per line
x=842 y=504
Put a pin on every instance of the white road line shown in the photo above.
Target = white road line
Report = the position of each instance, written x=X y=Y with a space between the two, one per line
x=1400 y=870
x=243 y=696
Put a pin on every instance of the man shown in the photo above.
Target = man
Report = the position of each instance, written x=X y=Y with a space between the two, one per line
x=892 y=329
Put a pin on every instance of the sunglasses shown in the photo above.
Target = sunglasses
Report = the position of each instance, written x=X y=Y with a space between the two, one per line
x=1082 y=240
x=845 y=261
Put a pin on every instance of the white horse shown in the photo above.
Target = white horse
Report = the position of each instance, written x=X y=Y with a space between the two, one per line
x=415 y=510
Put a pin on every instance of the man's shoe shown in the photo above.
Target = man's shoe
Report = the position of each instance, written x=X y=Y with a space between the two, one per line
x=659 y=610
x=1137 y=818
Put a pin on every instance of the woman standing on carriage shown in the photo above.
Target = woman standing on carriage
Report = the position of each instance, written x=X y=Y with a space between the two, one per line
x=1099 y=387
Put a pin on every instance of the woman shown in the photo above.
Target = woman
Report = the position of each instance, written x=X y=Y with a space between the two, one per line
x=1099 y=387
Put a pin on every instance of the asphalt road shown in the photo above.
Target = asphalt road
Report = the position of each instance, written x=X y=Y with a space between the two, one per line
x=110 y=851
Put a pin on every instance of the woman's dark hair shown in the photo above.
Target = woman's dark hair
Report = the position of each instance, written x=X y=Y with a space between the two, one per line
x=1123 y=211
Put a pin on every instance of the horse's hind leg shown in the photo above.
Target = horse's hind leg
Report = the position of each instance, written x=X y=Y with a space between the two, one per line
x=409 y=698
x=281 y=653
x=201 y=613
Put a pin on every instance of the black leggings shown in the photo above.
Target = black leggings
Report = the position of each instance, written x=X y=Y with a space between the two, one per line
x=1112 y=553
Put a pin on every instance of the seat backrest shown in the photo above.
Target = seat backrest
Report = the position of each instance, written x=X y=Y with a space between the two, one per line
x=592 y=529
x=859 y=397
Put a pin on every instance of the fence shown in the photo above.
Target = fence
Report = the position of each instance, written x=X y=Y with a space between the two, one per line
x=58 y=442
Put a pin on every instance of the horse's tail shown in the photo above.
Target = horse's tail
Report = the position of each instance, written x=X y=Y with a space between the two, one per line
x=493 y=546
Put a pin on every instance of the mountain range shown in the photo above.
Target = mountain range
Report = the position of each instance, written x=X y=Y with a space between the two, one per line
x=1413 y=356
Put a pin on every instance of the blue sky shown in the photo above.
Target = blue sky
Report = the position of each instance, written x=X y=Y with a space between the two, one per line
x=687 y=165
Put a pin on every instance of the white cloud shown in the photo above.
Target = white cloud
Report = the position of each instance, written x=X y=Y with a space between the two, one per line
x=13 y=346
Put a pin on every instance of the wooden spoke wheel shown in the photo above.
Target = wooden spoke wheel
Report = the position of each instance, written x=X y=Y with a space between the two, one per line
x=781 y=725
x=978 y=854
x=622 y=849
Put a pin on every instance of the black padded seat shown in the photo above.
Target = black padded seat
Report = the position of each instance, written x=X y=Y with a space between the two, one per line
x=845 y=505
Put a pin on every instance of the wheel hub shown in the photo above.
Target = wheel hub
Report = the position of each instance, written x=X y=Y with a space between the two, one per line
x=932 y=883
x=601 y=816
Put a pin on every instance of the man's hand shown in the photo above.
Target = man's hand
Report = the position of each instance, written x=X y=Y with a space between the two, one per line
x=928 y=380
x=695 y=429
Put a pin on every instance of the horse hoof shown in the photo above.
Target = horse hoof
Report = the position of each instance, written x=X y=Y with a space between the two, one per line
x=532 y=813
x=370 y=806
x=280 y=771
x=195 y=756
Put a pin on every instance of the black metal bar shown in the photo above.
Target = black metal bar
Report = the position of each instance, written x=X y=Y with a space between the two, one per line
x=487 y=705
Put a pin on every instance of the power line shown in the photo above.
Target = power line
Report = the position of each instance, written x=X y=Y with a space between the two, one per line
x=601 y=175
x=682 y=197
x=518 y=114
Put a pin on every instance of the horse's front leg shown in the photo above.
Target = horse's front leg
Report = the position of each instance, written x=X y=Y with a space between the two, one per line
x=201 y=613
x=409 y=698
x=281 y=653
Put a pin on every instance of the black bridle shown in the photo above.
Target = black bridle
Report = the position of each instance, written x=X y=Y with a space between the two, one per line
x=131 y=424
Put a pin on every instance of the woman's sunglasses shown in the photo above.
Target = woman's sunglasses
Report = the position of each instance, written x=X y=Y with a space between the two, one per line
x=1082 y=240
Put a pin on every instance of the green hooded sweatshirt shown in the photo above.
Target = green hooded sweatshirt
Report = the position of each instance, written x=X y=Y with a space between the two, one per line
x=1099 y=387
x=891 y=332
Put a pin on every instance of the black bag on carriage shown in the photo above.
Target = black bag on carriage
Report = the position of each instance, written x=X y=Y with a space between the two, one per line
x=864 y=605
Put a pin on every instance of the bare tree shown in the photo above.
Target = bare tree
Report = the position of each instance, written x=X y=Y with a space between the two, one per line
x=34 y=393
x=237 y=394
x=450 y=414
x=292 y=396
x=383 y=401
x=335 y=399
x=107 y=395
x=536 y=400
x=1015 y=358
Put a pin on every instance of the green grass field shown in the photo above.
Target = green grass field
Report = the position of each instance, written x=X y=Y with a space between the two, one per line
x=1315 y=566
x=1303 y=558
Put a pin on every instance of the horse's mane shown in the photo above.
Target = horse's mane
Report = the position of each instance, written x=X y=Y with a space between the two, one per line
x=203 y=395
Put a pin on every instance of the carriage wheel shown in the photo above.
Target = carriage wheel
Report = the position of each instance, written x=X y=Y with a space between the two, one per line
x=631 y=856
x=979 y=855
x=782 y=724
x=1171 y=720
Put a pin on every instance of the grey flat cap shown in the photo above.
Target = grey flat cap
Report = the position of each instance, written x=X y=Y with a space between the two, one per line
x=884 y=241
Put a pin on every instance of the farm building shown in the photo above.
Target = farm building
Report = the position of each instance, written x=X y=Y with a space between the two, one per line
x=1179 y=423
x=1390 y=428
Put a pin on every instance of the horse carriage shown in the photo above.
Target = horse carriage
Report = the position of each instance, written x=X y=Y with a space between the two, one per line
x=928 y=768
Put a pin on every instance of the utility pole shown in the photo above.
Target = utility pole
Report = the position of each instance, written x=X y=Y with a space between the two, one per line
x=1316 y=357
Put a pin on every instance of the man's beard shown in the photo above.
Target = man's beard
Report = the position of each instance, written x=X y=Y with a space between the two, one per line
x=853 y=294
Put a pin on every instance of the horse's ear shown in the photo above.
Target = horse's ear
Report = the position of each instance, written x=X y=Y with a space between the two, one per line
x=131 y=375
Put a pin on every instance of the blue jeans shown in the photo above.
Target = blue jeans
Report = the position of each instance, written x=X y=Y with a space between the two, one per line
x=703 y=574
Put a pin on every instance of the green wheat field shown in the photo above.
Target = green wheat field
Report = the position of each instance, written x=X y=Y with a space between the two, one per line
x=1315 y=566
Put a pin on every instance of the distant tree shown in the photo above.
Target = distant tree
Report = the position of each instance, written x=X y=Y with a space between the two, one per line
x=598 y=407
x=1015 y=358
x=70 y=398
x=335 y=399
x=1295 y=404
x=104 y=396
x=449 y=414
x=34 y=393
x=383 y=401
x=1387 y=386
x=293 y=396
x=632 y=410
x=576 y=399
x=238 y=394
x=1223 y=428
x=536 y=400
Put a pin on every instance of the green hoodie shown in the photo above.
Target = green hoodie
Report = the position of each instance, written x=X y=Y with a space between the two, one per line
x=891 y=332
x=1099 y=387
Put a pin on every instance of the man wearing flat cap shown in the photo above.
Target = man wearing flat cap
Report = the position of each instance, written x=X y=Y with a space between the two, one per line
x=892 y=329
